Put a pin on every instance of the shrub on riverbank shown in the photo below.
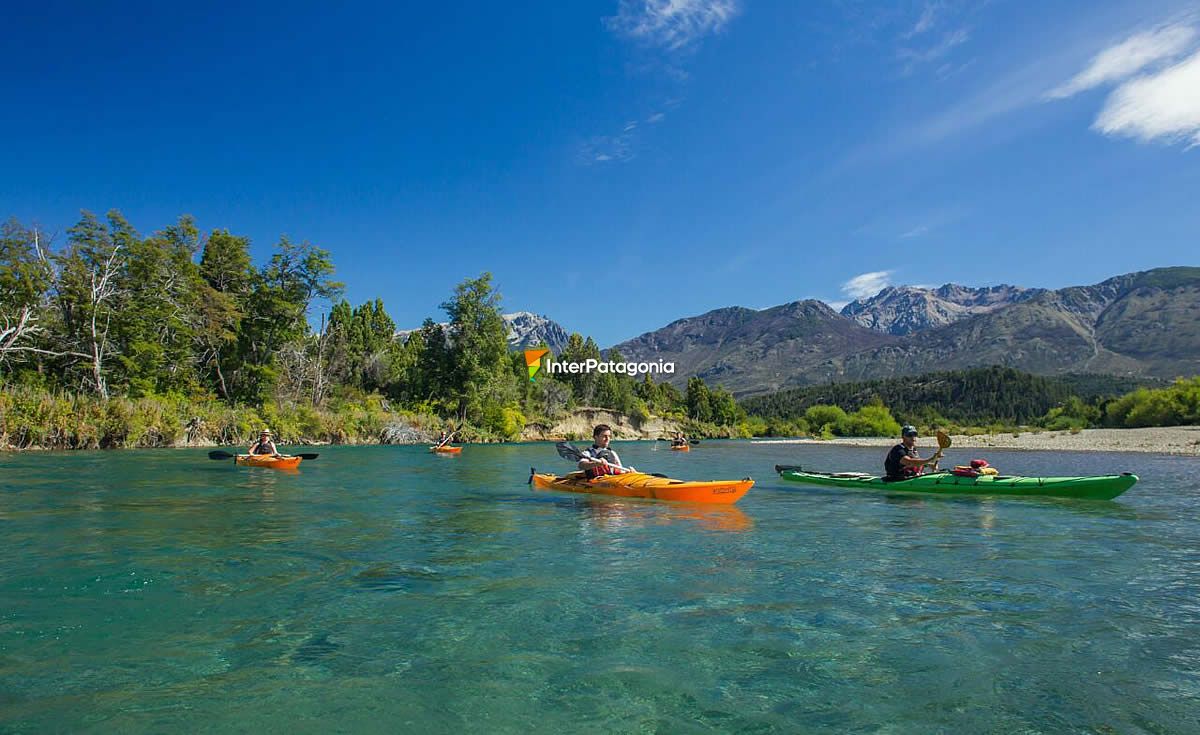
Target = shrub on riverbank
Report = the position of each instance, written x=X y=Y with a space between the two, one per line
x=1178 y=405
x=33 y=418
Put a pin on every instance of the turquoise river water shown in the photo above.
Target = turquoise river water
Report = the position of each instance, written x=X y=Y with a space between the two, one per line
x=384 y=590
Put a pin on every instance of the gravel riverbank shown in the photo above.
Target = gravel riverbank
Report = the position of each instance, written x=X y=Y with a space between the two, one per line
x=1182 y=440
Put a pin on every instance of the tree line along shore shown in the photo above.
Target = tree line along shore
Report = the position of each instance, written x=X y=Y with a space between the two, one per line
x=112 y=339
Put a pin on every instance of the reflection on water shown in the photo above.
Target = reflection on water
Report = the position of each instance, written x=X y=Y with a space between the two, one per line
x=615 y=514
x=383 y=589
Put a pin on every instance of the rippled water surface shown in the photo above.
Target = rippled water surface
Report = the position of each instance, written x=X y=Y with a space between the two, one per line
x=383 y=589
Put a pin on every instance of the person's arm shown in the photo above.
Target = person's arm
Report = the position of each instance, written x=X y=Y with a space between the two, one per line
x=908 y=461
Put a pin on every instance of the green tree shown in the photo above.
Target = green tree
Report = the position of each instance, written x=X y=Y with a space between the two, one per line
x=227 y=279
x=478 y=356
x=699 y=404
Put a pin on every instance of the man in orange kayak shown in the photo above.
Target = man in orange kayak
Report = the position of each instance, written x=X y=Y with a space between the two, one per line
x=903 y=461
x=264 y=445
x=599 y=459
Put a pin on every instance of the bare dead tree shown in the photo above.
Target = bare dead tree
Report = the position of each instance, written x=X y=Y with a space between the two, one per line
x=18 y=329
x=103 y=289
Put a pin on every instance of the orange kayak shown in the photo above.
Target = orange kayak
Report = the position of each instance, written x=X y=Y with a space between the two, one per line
x=266 y=460
x=446 y=450
x=641 y=485
x=681 y=448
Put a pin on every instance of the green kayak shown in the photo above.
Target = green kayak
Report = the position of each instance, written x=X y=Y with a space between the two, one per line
x=1100 y=487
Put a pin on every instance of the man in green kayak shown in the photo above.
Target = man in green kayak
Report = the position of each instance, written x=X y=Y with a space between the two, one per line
x=599 y=459
x=903 y=462
x=264 y=445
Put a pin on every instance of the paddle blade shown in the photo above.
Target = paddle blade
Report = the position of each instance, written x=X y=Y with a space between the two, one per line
x=532 y=472
x=220 y=455
x=307 y=455
x=943 y=440
x=788 y=467
x=566 y=451
x=694 y=441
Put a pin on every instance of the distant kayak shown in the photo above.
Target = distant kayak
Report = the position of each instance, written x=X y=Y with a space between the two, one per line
x=681 y=448
x=266 y=460
x=1099 y=487
x=446 y=450
x=642 y=485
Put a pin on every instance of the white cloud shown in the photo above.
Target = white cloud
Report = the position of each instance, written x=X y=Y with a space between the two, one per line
x=867 y=284
x=925 y=22
x=836 y=305
x=1128 y=58
x=671 y=24
x=1165 y=105
x=916 y=231
x=656 y=117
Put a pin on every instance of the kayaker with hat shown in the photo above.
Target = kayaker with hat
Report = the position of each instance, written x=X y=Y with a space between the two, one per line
x=599 y=459
x=903 y=461
x=264 y=445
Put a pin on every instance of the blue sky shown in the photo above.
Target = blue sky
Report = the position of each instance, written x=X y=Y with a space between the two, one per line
x=618 y=165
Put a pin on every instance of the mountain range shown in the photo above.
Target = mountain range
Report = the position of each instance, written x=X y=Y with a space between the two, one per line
x=1137 y=324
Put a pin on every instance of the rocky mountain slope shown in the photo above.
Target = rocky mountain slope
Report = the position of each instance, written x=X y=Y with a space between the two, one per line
x=903 y=310
x=1139 y=324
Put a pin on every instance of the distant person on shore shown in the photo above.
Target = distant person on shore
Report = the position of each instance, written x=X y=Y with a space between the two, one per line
x=599 y=459
x=264 y=445
x=903 y=461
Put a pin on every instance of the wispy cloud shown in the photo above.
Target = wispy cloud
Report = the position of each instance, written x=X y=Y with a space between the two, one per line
x=913 y=57
x=836 y=305
x=670 y=24
x=867 y=284
x=607 y=149
x=925 y=22
x=1128 y=58
x=916 y=232
x=1164 y=106
x=656 y=117
x=1157 y=96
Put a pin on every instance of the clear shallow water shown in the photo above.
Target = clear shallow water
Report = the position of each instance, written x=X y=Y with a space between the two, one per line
x=383 y=589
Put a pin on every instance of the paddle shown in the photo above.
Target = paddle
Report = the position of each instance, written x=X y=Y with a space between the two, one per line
x=567 y=451
x=943 y=440
x=449 y=436
x=226 y=455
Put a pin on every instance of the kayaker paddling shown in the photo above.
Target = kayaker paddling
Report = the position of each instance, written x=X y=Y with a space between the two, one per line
x=680 y=440
x=445 y=437
x=264 y=445
x=599 y=459
x=903 y=462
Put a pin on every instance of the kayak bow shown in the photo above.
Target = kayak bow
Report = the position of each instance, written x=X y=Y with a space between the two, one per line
x=446 y=450
x=642 y=485
x=266 y=460
x=1100 y=487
